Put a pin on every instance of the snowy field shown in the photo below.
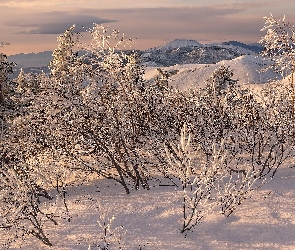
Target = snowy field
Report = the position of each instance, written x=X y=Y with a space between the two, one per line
x=151 y=219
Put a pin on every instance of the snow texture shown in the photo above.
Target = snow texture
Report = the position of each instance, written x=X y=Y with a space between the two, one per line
x=151 y=219
x=245 y=68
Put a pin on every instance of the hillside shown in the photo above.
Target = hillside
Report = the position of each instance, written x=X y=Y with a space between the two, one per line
x=246 y=70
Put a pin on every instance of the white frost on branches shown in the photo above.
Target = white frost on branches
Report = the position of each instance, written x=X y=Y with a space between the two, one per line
x=279 y=44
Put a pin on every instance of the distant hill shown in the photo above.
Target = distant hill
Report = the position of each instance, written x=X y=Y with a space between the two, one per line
x=31 y=59
x=182 y=51
x=175 y=44
x=254 y=47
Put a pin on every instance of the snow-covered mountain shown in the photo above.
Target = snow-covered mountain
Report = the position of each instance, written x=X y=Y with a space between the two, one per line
x=177 y=43
x=190 y=51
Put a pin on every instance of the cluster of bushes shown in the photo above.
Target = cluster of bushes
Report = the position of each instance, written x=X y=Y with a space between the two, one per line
x=96 y=114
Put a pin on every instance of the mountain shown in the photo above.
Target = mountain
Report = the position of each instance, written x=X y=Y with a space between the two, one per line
x=31 y=59
x=189 y=51
x=256 y=47
x=175 y=44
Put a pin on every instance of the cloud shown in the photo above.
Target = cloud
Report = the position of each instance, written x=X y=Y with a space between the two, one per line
x=102 y=4
x=161 y=21
x=55 y=22
x=205 y=11
x=205 y=21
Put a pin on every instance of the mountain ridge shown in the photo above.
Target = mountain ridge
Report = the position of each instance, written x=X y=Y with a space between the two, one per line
x=182 y=51
x=177 y=51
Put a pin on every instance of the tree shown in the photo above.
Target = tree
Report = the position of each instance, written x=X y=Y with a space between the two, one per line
x=5 y=70
x=21 y=81
x=234 y=146
x=20 y=192
x=64 y=58
x=221 y=80
x=197 y=178
x=90 y=113
x=279 y=44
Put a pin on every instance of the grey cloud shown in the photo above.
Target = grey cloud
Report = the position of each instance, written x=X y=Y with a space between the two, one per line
x=159 y=21
x=56 y=22
x=159 y=12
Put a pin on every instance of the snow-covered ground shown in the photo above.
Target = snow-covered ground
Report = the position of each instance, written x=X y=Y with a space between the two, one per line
x=245 y=68
x=151 y=219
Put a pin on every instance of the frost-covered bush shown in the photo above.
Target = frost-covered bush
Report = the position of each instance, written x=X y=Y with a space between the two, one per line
x=20 y=201
x=253 y=135
x=207 y=186
x=196 y=177
x=20 y=194
x=279 y=44
x=93 y=114
x=109 y=237
x=216 y=184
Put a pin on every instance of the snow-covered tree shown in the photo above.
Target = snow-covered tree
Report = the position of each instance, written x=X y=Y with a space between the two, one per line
x=279 y=44
x=20 y=198
x=64 y=57
x=221 y=80
x=196 y=177
x=162 y=79
x=22 y=82
x=5 y=70
x=244 y=155
x=20 y=192
x=95 y=120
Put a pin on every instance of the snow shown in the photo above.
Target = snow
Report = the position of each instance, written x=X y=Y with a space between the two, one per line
x=178 y=43
x=151 y=219
x=246 y=70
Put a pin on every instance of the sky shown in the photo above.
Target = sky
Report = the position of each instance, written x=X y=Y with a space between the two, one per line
x=33 y=25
